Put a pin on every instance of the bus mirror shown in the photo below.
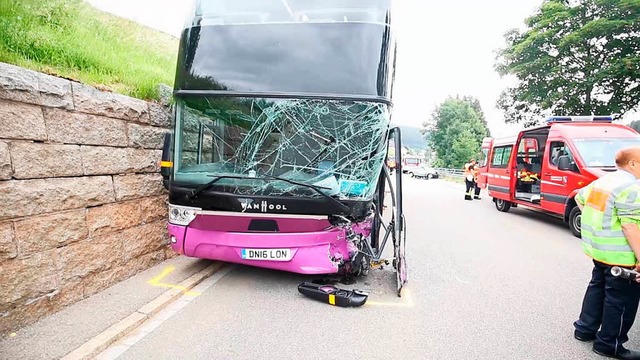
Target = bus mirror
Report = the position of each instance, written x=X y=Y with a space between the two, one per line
x=564 y=163
x=166 y=164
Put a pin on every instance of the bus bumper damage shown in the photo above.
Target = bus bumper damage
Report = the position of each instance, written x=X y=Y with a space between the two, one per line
x=305 y=247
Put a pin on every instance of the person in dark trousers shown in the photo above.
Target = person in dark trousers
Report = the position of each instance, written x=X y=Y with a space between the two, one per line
x=610 y=230
x=468 y=179
x=475 y=170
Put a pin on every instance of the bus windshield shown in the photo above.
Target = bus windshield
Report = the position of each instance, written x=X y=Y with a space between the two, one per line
x=602 y=152
x=338 y=146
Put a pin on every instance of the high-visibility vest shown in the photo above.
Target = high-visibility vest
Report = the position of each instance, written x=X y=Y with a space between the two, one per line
x=467 y=172
x=609 y=202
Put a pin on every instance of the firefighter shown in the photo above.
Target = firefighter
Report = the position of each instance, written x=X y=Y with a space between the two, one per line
x=476 y=171
x=610 y=230
x=468 y=179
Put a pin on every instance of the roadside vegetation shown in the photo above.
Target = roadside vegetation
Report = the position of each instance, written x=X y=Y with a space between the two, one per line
x=455 y=131
x=71 y=39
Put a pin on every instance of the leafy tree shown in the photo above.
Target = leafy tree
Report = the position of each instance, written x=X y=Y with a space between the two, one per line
x=578 y=57
x=455 y=132
x=475 y=104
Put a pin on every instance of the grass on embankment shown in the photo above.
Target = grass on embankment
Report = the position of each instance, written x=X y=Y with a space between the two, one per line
x=452 y=179
x=71 y=39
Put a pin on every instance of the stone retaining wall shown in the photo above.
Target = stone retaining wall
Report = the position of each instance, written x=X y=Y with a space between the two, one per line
x=81 y=200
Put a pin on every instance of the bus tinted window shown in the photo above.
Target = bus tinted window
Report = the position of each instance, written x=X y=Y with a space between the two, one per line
x=226 y=12
x=335 y=58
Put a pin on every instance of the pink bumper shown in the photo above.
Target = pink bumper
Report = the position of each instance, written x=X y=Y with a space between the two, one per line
x=312 y=252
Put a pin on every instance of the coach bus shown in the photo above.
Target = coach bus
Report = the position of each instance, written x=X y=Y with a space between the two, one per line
x=281 y=134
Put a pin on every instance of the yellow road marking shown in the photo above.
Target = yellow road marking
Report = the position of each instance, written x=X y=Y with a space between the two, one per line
x=156 y=281
x=406 y=302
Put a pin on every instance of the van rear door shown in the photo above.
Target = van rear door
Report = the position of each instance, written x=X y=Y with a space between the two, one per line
x=483 y=162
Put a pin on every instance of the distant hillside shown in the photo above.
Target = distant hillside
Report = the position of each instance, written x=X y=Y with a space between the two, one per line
x=70 y=38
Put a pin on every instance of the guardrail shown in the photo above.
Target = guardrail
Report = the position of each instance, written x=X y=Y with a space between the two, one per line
x=456 y=173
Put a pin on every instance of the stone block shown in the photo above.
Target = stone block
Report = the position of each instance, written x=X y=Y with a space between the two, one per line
x=90 y=100
x=33 y=197
x=129 y=187
x=41 y=233
x=90 y=257
x=142 y=263
x=28 y=278
x=38 y=160
x=5 y=161
x=19 y=84
x=55 y=91
x=78 y=128
x=114 y=217
x=147 y=137
x=160 y=115
x=144 y=239
x=107 y=160
x=94 y=283
x=166 y=94
x=8 y=248
x=21 y=121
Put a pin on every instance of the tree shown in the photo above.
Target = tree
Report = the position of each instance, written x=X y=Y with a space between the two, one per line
x=576 y=57
x=455 y=132
x=475 y=104
x=635 y=125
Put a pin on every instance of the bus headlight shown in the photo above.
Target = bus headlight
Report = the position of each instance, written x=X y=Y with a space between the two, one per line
x=182 y=215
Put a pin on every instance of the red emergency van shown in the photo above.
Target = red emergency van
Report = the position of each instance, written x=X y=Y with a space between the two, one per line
x=543 y=168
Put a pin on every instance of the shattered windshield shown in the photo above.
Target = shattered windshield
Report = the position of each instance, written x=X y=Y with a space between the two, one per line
x=338 y=146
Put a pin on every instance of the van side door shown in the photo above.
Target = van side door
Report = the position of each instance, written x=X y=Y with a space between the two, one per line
x=499 y=168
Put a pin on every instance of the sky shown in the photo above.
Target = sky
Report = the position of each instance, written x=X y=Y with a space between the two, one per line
x=445 y=48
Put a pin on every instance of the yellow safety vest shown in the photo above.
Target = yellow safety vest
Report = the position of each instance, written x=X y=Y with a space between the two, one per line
x=609 y=202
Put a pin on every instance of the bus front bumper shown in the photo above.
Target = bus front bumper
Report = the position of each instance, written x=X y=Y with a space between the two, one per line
x=318 y=252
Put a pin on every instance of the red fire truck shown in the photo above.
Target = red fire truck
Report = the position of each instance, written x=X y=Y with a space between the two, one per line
x=543 y=168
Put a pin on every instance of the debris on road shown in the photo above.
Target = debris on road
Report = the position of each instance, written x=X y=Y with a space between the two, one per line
x=334 y=295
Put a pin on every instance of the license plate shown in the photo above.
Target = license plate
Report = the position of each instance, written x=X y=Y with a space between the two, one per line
x=266 y=254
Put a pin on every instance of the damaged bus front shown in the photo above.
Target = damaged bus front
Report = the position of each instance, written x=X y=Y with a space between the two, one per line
x=282 y=127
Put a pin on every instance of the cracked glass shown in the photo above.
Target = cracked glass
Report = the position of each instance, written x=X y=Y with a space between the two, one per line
x=337 y=146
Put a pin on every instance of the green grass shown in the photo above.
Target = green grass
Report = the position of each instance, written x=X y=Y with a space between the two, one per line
x=71 y=39
x=453 y=179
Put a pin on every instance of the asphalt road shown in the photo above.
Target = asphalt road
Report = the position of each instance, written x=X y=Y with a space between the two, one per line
x=483 y=285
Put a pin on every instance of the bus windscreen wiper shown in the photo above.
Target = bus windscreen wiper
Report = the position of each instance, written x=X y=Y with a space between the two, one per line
x=204 y=187
x=264 y=177
x=313 y=187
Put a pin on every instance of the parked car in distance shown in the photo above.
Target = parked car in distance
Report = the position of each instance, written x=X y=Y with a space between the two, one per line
x=422 y=172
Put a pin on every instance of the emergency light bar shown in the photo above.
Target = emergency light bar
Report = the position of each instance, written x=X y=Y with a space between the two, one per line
x=592 y=118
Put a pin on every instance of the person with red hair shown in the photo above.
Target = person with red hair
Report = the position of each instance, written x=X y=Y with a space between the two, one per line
x=610 y=231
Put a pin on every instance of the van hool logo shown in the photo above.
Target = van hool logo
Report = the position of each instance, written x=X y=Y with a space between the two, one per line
x=262 y=206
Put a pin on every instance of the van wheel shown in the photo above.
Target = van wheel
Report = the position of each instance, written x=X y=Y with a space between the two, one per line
x=429 y=176
x=575 y=221
x=502 y=205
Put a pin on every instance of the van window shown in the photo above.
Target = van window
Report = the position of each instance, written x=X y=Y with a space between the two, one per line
x=557 y=149
x=484 y=157
x=501 y=156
